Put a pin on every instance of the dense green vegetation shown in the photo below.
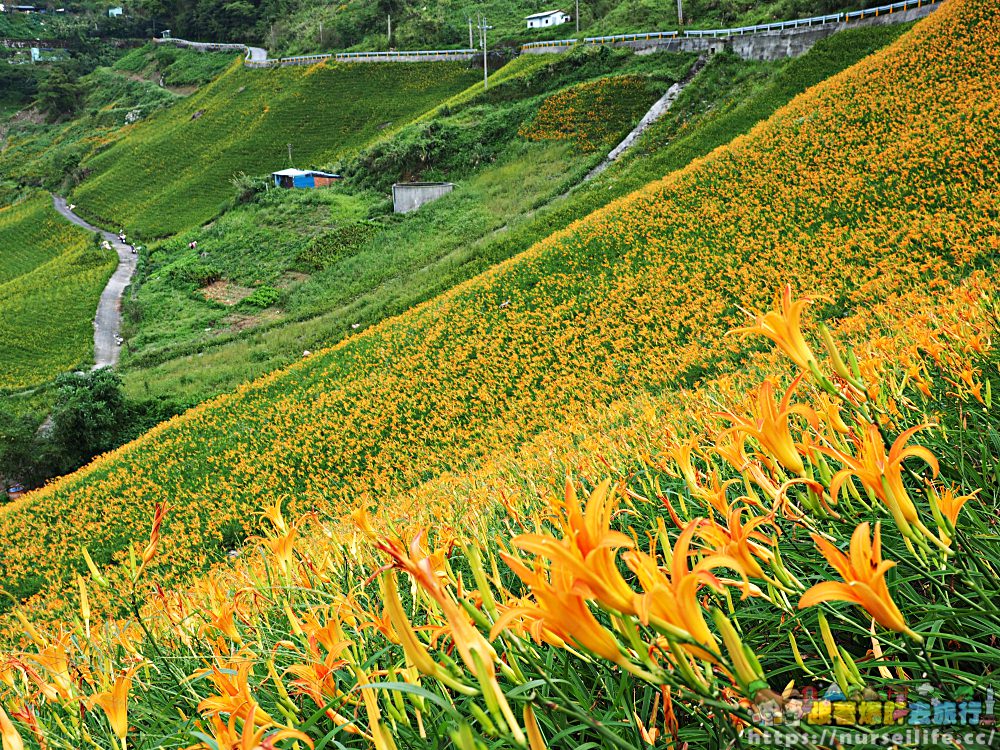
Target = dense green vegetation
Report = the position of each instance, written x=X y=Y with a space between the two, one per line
x=51 y=276
x=88 y=414
x=315 y=25
x=302 y=26
x=49 y=154
x=173 y=66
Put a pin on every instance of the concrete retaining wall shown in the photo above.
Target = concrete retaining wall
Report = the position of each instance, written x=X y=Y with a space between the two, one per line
x=409 y=196
x=795 y=42
x=764 y=45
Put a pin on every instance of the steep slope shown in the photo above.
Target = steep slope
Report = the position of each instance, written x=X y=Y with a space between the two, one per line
x=51 y=276
x=173 y=171
x=877 y=180
x=495 y=212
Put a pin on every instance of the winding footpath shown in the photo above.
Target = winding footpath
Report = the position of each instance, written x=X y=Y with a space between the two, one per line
x=107 y=322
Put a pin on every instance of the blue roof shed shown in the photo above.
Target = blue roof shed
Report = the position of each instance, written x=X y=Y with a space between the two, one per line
x=303 y=178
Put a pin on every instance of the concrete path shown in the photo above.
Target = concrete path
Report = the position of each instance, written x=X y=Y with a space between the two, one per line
x=659 y=108
x=256 y=55
x=107 y=322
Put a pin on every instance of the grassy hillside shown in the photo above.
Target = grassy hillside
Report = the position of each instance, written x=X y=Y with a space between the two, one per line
x=37 y=152
x=521 y=618
x=575 y=322
x=173 y=172
x=173 y=66
x=51 y=276
x=409 y=259
x=321 y=251
x=31 y=233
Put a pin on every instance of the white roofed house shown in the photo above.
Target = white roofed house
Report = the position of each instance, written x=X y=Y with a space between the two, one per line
x=547 y=18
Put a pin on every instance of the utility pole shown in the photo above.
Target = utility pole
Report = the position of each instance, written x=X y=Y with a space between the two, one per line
x=471 y=43
x=290 y=155
x=680 y=13
x=483 y=28
x=578 y=15
x=321 y=35
x=389 y=21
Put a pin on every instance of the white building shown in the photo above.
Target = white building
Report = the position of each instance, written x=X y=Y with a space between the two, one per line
x=115 y=12
x=547 y=18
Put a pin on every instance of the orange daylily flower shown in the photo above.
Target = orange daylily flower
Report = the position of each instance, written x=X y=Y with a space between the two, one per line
x=8 y=734
x=671 y=603
x=769 y=424
x=588 y=547
x=560 y=609
x=114 y=702
x=950 y=504
x=159 y=513
x=232 y=681
x=227 y=736
x=784 y=328
x=739 y=540
x=864 y=584
x=882 y=472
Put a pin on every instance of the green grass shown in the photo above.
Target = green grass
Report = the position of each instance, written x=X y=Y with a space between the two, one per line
x=174 y=65
x=174 y=172
x=51 y=276
x=31 y=234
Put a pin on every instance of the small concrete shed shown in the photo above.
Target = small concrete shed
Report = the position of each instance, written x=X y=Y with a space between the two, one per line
x=547 y=18
x=409 y=196
x=303 y=178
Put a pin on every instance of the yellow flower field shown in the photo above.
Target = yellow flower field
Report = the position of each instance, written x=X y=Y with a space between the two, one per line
x=418 y=571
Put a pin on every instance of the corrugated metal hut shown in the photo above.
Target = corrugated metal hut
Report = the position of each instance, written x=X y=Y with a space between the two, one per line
x=303 y=178
x=409 y=196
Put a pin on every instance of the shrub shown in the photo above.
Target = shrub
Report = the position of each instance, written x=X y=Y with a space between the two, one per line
x=330 y=247
x=248 y=188
x=192 y=269
x=263 y=296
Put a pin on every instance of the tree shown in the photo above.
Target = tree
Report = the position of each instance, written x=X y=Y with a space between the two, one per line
x=89 y=416
x=59 y=94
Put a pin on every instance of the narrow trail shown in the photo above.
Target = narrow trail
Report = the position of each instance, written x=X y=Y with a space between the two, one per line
x=658 y=110
x=107 y=321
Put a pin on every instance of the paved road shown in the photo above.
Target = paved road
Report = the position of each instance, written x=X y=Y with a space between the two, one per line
x=254 y=54
x=107 y=322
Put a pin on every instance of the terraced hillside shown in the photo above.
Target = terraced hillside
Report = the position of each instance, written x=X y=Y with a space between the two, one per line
x=531 y=616
x=638 y=294
x=51 y=276
x=173 y=172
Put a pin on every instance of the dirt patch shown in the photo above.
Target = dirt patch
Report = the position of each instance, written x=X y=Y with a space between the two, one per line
x=30 y=116
x=226 y=293
x=237 y=322
x=291 y=279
